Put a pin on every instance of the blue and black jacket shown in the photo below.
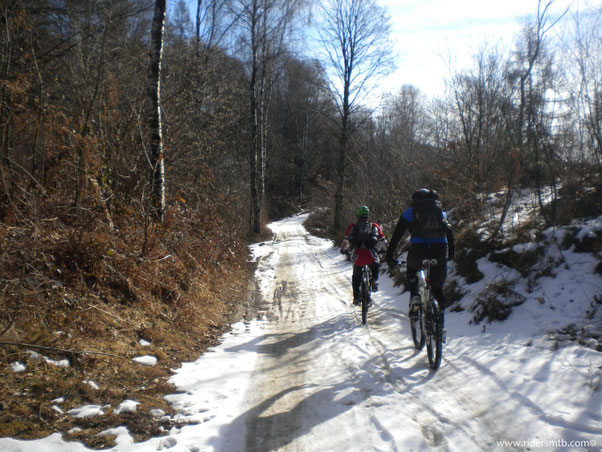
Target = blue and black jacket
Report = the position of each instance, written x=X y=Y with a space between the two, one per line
x=405 y=223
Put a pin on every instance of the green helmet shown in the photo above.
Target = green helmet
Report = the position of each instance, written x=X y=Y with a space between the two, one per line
x=362 y=211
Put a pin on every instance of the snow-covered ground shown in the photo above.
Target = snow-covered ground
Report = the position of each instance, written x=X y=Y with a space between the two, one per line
x=306 y=375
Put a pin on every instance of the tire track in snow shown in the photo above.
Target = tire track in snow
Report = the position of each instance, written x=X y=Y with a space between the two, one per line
x=313 y=330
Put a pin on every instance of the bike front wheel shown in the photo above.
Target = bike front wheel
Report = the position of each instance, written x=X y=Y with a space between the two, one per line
x=434 y=336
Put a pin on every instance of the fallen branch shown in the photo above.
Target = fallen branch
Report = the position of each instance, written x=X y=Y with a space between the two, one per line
x=61 y=350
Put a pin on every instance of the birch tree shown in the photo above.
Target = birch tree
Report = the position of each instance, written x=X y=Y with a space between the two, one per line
x=156 y=134
x=357 y=52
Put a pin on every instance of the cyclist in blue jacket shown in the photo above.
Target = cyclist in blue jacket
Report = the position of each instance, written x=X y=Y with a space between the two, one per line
x=431 y=238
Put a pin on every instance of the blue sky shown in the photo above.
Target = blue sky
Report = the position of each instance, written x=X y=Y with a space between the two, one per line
x=434 y=37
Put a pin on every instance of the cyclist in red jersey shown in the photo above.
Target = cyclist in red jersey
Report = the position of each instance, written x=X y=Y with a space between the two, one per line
x=366 y=239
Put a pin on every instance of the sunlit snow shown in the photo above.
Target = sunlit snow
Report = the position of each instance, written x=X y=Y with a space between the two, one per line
x=302 y=372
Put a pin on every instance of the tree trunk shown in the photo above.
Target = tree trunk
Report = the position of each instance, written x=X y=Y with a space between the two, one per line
x=338 y=197
x=340 y=189
x=156 y=138
x=254 y=160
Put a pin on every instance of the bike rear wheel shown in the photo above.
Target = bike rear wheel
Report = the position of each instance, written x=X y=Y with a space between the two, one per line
x=418 y=335
x=434 y=335
x=365 y=300
x=365 y=294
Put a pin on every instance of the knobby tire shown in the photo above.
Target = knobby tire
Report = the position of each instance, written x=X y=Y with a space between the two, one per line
x=365 y=291
x=434 y=342
x=364 y=304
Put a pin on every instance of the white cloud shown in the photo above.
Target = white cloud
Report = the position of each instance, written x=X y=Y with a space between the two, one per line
x=433 y=36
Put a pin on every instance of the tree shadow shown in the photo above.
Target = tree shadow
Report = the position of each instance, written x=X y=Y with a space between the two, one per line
x=264 y=429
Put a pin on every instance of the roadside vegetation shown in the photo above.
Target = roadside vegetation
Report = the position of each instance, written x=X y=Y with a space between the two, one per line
x=90 y=279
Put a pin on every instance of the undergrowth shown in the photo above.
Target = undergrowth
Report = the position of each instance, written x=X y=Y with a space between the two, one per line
x=77 y=296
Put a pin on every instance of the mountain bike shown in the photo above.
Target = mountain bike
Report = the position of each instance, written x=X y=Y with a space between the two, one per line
x=427 y=323
x=365 y=288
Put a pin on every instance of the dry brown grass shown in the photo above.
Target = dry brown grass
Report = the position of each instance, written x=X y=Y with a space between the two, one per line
x=76 y=287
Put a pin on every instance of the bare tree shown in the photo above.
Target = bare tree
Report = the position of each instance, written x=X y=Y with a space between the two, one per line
x=479 y=98
x=355 y=40
x=211 y=25
x=296 y=125
x=530 y=77
x=583 y=82
x=264 y=26
x=154 y=89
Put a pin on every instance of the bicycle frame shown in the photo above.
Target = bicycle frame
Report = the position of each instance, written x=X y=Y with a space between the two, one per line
x=424 y=282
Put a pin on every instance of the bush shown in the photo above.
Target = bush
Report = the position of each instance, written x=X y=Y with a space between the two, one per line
x=522 y=262
x=495 y=303
x=575 y=201
x=453 y=293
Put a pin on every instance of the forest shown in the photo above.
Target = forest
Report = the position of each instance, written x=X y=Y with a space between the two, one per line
x=145 y=144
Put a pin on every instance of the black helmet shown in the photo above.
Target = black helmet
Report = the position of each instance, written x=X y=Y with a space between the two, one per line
x=424 y=193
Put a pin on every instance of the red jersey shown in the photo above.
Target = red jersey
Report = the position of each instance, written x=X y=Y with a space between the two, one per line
x=364 y=256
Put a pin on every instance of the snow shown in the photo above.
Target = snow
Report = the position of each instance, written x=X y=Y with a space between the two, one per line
x=92 y=384
x=146 y=360
x=86 y=411
x=37 y=356
x=18 y=367
x=127 y=406
x=303 y=373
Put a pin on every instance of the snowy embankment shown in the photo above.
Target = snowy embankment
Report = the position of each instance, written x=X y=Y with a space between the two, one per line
x=304 y=374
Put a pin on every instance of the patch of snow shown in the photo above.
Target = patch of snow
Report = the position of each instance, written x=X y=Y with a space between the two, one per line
x=92 y=384
x=524 y=248
x=146 y=360
x=127 y=406
x=86 y=411
x=156 y=412
x=60 y=363
x=18 y=367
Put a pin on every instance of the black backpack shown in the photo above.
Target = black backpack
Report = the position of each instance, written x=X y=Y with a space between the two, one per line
x=428 y=219
x=363 y=235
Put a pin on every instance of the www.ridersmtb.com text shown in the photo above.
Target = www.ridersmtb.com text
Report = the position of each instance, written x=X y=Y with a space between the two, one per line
x=538 y=443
